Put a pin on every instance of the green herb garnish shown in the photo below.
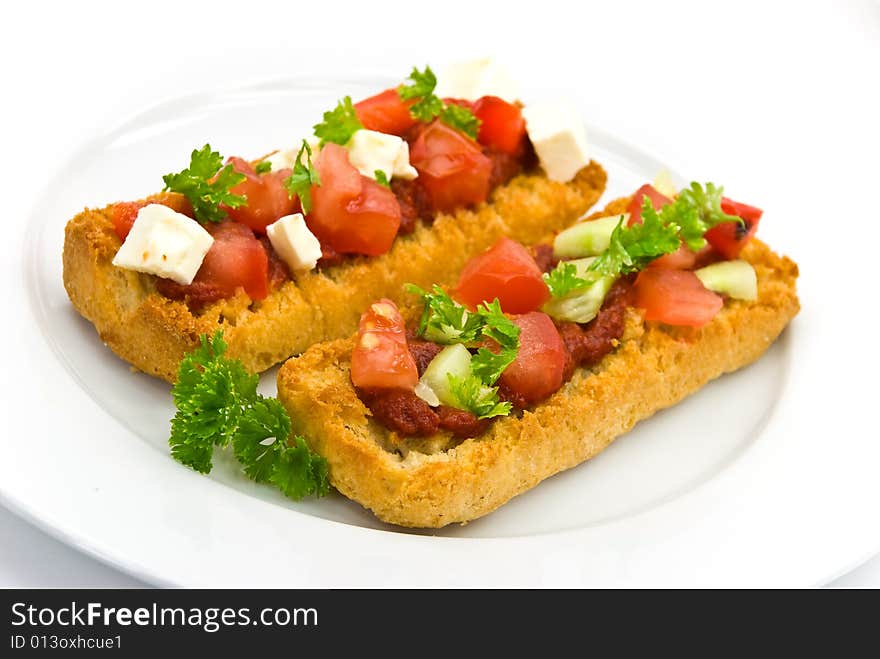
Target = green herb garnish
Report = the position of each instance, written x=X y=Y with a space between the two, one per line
x=339 y=124
x=382 y=178
x=428 y=105
x=303 y=177
x=477 y=397
x=263 y=166
x=218 y=405
x=206 y=184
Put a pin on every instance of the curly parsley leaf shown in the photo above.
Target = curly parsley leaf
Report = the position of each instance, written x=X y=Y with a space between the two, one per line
x=303 y=177
x=487 y=364
x=339 y=124
x=382 y=178
x=443 y=319
x=420 y=86
x=477 y=397
x=461 y=118
x=263 y=166
x=206 y=184
x=632 y=248
x=696 y=210
x=298 y=472
x=218 y=404
x=564 y=279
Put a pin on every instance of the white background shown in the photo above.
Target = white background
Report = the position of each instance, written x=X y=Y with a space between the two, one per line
x=779 y=100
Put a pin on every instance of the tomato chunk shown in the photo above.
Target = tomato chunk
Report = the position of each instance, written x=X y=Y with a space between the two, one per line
x=351 y=213
x=386 y=112
x=729 y=238
x=507 y=271
x=675 y=297
x=451 y=167
x=236 y=259
x=381 y=358
x=267 y=198
x=635 y=206
x=502 y=124
x=538 y=369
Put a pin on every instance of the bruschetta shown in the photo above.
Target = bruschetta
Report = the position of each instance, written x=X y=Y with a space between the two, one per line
x=538 y=357
x=287 y=250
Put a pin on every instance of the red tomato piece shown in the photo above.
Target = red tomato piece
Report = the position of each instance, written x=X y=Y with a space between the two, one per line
x=729 y=238
x=635 y=206
x=502 y=124
x=386 y=113
x=267 y=198
x=351 y=213
x=381 y=358
x=451 y=167
x=507 y=271
x=681 y=259
x=538 y=368
x=675 y=297
x=236 y=259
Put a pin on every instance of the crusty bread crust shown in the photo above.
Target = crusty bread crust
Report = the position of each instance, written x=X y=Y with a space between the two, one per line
x=438 y=482
x=153 y=333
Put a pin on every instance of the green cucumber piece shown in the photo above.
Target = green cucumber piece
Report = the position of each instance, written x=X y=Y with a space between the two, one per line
x=586 y=238
x=734 y=278
x=452 y=360
x=582 y=305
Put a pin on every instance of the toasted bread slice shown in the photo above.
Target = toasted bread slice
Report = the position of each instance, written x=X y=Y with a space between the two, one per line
x=439 y=480
x=153 y=333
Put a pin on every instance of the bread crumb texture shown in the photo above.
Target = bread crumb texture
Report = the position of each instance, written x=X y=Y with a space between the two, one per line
x=438 y=481
x=153 y=333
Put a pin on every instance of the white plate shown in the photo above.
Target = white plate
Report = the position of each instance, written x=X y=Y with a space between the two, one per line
x=735 y=486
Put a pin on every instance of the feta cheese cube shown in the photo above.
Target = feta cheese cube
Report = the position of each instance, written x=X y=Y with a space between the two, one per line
x=557 y=132
x=166 y=243
x=293 y=241
x=369 y=150
x=475 y=78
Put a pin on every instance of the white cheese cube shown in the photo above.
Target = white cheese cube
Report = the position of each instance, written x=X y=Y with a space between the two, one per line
x=369 y=150
x=166 y=243
x=293 y=241
x=557 y=132
x=475 y=78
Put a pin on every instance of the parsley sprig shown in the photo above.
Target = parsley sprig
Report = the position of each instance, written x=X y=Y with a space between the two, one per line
x=420 y=86
x=339 y=124
x=303 y=177
x=206 y=184
x=632 y=248
x=564 y=279
x=446 y=321
x=696 y=210
x=218 y=405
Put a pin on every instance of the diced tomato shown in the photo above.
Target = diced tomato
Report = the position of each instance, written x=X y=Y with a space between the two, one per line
x=635 y=206
x=729 y=238
x=386 y=113
x=502 y=124
x=267 y=198
x=236 y=259
x=675 y=297
x=507 y=271
x=451 y=167
x=123 y=215
x=351 y=213
x=539 y=365
x=381 y=358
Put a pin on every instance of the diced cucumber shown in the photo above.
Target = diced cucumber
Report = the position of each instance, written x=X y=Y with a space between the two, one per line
x=452 y=360
x=586 y=238
x=582 y=305
x=734 y=278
